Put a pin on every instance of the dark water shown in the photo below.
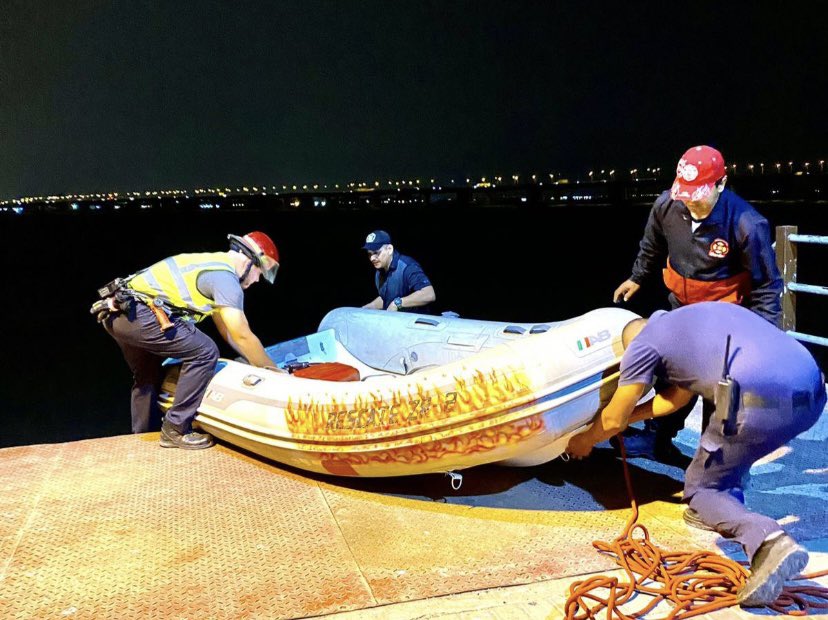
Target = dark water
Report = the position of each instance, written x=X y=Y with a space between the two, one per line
x=64 y=378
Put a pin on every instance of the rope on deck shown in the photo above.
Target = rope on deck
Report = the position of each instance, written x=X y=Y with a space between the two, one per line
x=695 y=583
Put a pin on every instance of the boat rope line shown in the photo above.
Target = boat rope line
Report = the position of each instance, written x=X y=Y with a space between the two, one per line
x=693 y=582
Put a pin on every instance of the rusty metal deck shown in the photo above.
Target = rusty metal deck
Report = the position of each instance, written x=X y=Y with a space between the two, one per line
x=120 y=528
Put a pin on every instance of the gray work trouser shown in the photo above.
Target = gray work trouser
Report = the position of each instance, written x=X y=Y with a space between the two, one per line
x=145 y=346
x=713 y=481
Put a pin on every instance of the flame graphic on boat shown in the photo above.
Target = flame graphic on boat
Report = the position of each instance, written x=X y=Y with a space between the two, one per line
x=451 y=450
x=420 y=406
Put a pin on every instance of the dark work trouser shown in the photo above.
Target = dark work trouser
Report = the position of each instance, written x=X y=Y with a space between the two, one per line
x=714 y=477
x=145 y=346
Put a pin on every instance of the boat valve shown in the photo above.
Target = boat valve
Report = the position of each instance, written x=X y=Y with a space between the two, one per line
x=456 y=480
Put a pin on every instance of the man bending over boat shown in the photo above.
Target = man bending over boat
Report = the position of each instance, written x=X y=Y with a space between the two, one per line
x=767 y=390
x=401 y=283
x=709 y=245
x=152 y=315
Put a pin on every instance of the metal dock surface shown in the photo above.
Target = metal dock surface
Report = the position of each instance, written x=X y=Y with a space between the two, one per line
x=120 y=528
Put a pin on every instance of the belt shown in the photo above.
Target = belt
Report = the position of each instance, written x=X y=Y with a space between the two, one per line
x=172 y=311
x=799 y=400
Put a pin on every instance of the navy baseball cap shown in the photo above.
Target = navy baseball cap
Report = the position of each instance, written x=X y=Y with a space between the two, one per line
x=376 y=240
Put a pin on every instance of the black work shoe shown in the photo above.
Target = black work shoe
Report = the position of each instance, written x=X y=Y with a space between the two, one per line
x=775 y=562
x=666 y=452
x=692 y=518
x=637 y=443
x=646 y=444
x=171 y=437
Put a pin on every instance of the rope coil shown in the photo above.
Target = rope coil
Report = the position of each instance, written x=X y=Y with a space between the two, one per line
x=695 y=583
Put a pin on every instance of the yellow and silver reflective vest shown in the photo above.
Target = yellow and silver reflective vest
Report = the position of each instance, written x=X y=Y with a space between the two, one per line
x=173 y=281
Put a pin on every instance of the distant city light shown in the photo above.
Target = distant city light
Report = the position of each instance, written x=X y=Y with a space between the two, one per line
x=211 y=197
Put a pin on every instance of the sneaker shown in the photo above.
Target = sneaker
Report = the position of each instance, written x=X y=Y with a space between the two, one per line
x=775 y=562
x=692 y=518
x=171 y=437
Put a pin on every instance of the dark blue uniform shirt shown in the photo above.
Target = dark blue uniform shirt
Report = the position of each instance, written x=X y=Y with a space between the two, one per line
x=686 y=348
x=404 y=276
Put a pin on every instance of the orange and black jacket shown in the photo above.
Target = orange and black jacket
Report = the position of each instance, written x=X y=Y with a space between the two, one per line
x=729 y=256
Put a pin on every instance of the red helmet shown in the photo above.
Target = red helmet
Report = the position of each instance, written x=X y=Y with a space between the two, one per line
x=261 y=249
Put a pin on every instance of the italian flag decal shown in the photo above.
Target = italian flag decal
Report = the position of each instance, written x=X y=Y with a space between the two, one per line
x=584 y=343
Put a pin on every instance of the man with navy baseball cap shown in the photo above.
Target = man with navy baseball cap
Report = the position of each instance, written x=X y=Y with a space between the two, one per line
x=402 y=285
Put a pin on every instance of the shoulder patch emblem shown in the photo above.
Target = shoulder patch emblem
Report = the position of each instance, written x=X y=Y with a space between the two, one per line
x=718 y=249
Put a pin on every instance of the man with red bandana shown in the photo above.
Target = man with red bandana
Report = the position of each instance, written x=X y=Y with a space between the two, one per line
x=710 y=245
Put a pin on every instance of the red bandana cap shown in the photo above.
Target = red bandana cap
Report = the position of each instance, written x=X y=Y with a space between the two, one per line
x=696 y=174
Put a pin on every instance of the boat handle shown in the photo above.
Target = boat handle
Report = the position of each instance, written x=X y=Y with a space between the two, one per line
x=431 y=322
x=456 y=480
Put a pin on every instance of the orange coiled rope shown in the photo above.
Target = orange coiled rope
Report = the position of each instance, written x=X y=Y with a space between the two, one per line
x=801 y=597
x=695 y=583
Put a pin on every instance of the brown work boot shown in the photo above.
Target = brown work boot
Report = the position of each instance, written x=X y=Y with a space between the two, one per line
x=775 y=562
x=171 y=437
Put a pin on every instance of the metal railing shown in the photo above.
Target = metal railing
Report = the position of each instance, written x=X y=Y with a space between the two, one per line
x=786 y=258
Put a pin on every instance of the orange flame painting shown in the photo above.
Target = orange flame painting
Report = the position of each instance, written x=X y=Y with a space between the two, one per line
x=421 y=407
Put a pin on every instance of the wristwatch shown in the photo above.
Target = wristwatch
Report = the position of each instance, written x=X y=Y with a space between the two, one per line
x=398 y=302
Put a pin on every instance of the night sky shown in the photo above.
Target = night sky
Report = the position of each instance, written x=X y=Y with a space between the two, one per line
x=130 y=95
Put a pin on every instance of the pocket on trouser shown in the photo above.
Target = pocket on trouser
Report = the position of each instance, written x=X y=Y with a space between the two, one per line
x=711 y=439
x=180 y=328
x=697 y=476
x=720 y=462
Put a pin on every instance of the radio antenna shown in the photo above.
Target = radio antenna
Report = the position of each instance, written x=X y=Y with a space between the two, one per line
x=725 y=369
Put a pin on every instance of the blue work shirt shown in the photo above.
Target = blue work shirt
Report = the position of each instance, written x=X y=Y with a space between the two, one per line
x=686 y=348
x=404 y=276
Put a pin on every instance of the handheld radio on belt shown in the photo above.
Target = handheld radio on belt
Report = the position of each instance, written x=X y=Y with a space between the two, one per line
x=727 y=396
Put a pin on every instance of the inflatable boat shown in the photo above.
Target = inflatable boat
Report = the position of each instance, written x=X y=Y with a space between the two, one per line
x=377 y=393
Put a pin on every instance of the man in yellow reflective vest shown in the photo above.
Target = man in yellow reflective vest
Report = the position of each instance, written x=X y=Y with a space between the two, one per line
x=185 y=289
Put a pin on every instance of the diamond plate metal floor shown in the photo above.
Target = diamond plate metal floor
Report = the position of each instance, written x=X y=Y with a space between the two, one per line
x=120 y=528
x=791 y=485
